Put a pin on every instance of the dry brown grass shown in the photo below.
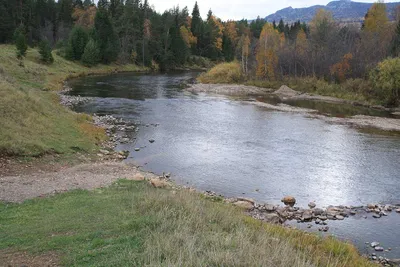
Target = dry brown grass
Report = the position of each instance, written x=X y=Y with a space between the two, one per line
x=222 y=73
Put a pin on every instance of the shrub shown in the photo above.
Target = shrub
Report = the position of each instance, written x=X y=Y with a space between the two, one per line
x=385 y=79
x=91 y=56
x=223 y=73
x=77 y=41
x=45 y=52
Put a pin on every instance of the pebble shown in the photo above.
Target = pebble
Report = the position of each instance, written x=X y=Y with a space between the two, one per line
x=379 y=248
x=151 y=140
x=377 y=216
x=137 y=149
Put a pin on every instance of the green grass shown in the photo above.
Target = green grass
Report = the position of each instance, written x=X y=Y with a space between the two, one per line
x=133 y=224
x=32 y=121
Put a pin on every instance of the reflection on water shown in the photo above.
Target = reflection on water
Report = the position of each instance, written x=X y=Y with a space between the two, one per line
x=237 y=148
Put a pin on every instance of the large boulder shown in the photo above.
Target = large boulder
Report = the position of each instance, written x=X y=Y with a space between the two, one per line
x=289 y=201
x=244 y=205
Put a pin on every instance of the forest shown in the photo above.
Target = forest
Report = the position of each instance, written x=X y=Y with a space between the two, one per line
x=131 y=31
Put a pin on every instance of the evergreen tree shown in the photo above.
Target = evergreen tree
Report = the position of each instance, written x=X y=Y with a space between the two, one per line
x=105 y=37
x=87 y=3
x=65 y=12
x=45 y=52
x=396 y=41
x=7 y=21
x=91 y=56
x=227 y=49
x=20 y=42
x=196 y=27
x=76 y=43
x=281 y=26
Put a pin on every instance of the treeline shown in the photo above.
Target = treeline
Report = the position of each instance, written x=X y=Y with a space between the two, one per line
x=131 y=31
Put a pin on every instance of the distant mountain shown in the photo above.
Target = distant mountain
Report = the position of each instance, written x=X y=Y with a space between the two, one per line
x=343 y=11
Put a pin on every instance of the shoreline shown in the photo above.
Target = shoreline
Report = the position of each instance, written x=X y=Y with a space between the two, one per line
x=286 y=93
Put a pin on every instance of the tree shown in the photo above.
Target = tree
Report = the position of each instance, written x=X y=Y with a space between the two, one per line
x=105 y=37
x=20 y=42
x=45 y=52
x=91 y=56
x=245 y=43
x=376 y=18
x=76 y=43
x=267 y=59
x=386 y=80
x=396 y=41
x=196 y=25
x=341 y=69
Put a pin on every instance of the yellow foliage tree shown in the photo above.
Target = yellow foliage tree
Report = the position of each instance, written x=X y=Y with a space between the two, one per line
x=231 y=31
x=217 y=32
x=376 y=19
x=267 y=59
x=187 y=36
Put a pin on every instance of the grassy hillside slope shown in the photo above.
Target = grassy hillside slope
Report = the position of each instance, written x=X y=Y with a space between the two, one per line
x=32 y=122
x=134 y=224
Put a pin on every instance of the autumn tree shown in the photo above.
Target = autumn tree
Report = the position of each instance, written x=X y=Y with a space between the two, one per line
x=300 y=50
x=267 y=59
x=341 y=69
x=245 y=52
x=84 y=17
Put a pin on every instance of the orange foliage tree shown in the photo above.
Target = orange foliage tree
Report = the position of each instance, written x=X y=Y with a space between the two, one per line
x=341 y=69
x=84 y=17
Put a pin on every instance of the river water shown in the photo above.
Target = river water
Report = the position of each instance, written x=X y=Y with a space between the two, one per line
x=235 y=148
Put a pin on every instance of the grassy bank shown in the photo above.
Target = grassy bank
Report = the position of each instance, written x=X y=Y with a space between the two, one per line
x=352 y=89
x=32 y=121
x=133 y=224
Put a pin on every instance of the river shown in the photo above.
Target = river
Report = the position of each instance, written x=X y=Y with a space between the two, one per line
x=236 y=148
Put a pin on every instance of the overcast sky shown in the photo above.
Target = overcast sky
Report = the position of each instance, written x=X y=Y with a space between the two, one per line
x=238 y=9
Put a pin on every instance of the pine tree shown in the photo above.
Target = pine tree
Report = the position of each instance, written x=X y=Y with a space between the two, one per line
x=105 y=37
x=20 y=42
x=396 y=42
x=45 y=52
x=196 y=26
x=77 y=41
x=91 y=56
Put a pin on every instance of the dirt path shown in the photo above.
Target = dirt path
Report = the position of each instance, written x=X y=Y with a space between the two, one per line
x=17 y=188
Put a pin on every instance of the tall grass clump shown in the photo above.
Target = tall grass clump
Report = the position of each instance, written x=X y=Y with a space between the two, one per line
x=134 y=224
x=223 y=73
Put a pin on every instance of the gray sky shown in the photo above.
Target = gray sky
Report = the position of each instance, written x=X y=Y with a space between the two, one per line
x=238 y=9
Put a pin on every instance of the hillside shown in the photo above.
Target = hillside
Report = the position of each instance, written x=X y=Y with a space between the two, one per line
x=343 y=10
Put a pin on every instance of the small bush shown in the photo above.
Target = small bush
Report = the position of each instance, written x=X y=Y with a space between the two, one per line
x=45 y=52
x=385 y=79
x=91 y=56
x=223 y=73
